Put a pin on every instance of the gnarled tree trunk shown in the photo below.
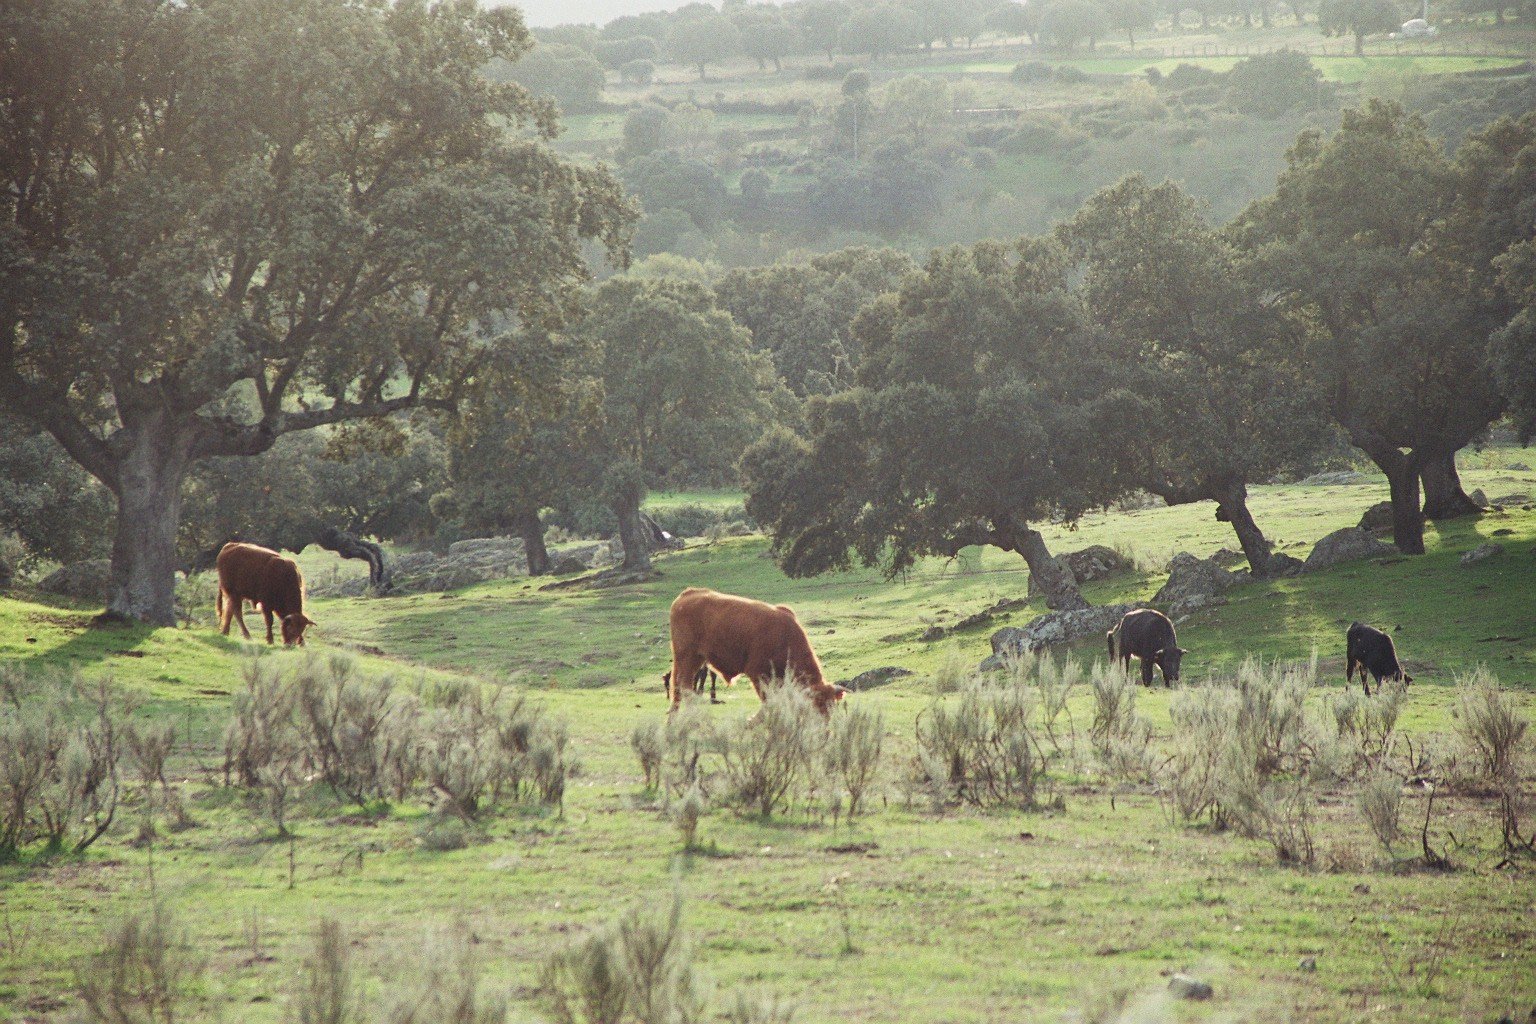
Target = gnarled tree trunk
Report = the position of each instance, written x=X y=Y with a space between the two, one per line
x=532 y=531
x=1232 y=507
x=1053 y=578
x=1443 y=494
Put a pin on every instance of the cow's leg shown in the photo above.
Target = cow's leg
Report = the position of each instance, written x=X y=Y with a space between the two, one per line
x=1146 y=672
x=238 y=603
x=225 y=607
x=266 y=613
x=685 y=668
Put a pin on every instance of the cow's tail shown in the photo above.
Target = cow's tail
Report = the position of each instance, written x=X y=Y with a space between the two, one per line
x=218 y=604
x=1109 y=638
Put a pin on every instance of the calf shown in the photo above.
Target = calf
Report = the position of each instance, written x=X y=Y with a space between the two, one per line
x=705 y=674
x=740 y=636
x=1148 y=636
x=1371 y=650
x=267 y=579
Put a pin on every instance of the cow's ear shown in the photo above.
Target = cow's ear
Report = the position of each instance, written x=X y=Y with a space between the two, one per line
x=306 y=620
x=1183 y=650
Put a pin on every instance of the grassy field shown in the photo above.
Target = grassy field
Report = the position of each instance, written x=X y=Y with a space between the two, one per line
x=964 y=916
x=1337 y=69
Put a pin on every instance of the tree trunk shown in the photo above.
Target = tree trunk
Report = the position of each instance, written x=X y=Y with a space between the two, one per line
x=635 y=538
x=1053 y=578
x=148 y=490
x=1359 y=44
x=1402 y=471
x=532 y=531
x=1232 y=507
x=1443 y=495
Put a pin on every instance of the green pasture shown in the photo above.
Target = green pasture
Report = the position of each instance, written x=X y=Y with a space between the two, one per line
x=967 y=916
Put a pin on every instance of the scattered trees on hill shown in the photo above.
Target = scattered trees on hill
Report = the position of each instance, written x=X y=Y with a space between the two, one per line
x=766 y=35
x=331 y=242
x=702 y=40
x=878 y=31
x=821 y=21
x=1358 y=18
x=569 y=75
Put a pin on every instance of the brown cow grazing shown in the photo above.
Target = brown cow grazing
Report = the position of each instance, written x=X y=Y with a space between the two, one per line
x=739 y=636
x=1370 y=650
x=265 y=578
x=1148 y=635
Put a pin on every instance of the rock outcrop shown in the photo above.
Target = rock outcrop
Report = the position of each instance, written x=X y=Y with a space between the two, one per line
x=1346 y=545
x=1053 y=629
x=1194 y=583
x=90 y=580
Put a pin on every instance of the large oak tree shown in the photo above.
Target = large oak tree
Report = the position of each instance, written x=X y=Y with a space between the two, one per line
x=227 y=220
x=985 y=405
x=1230 y=406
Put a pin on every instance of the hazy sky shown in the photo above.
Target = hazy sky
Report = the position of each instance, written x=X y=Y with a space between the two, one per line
x=559 y=12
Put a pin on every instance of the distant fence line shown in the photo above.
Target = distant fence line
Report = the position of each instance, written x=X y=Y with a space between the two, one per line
x=1342 y=48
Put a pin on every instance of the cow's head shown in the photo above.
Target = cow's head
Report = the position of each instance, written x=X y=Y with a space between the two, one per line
x=1168 y=658
x=293 y=628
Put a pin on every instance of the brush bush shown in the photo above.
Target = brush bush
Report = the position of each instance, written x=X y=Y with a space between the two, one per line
x=143 y=973
x=766 y=756
x=981 y=747
x=855 y=738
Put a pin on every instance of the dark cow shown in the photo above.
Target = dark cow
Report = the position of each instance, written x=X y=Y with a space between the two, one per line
x=265 y=578
x=1148 y=635
x=1371 y=650
x=739 y=636
x=705 y=674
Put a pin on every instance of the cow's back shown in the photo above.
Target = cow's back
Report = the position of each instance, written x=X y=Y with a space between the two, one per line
x=729 y=630
x=1145 y=631
x=248 y=572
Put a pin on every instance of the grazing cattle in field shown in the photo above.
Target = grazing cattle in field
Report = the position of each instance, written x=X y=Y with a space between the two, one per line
x=1148 y=635
x=739 y=636
x=1371 y=650
x=267 y=579
x=705 y=674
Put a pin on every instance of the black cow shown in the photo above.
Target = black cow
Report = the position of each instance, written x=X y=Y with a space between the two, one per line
x=705 y=672
x=1371 y=650
x=1148 y=635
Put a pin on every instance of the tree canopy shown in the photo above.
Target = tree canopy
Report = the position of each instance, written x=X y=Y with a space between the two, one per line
x=314 y=205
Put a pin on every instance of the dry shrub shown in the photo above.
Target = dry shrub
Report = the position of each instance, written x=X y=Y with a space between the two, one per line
x=261 y=731
x=980 y=747
x=687 y=813
x=328 y=990
x=344 y=726
x=1494 y=735
x=449 y=989
x=1121 y=736
x=142 y=974
x=648 y=741
x=1380 y=801
x=768 y=754
x=686 y=736
x=855 y=738
x=760 y=1009
x=953 y=673
x=638 y=970
x=59 y=762
x=1279 y=811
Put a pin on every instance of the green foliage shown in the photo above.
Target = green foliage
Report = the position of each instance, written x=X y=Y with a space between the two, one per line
x=1067 y=23
x=340 y=142
x=570 y=75
x=1274 y=83
x=56 y=509
x=669 y=181
x=879 y=31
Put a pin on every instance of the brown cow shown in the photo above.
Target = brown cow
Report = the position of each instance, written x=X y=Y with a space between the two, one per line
x=740 y=636
x=265 y=578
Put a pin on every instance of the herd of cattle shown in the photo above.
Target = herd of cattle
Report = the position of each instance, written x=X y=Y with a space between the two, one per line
x=738 y=636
